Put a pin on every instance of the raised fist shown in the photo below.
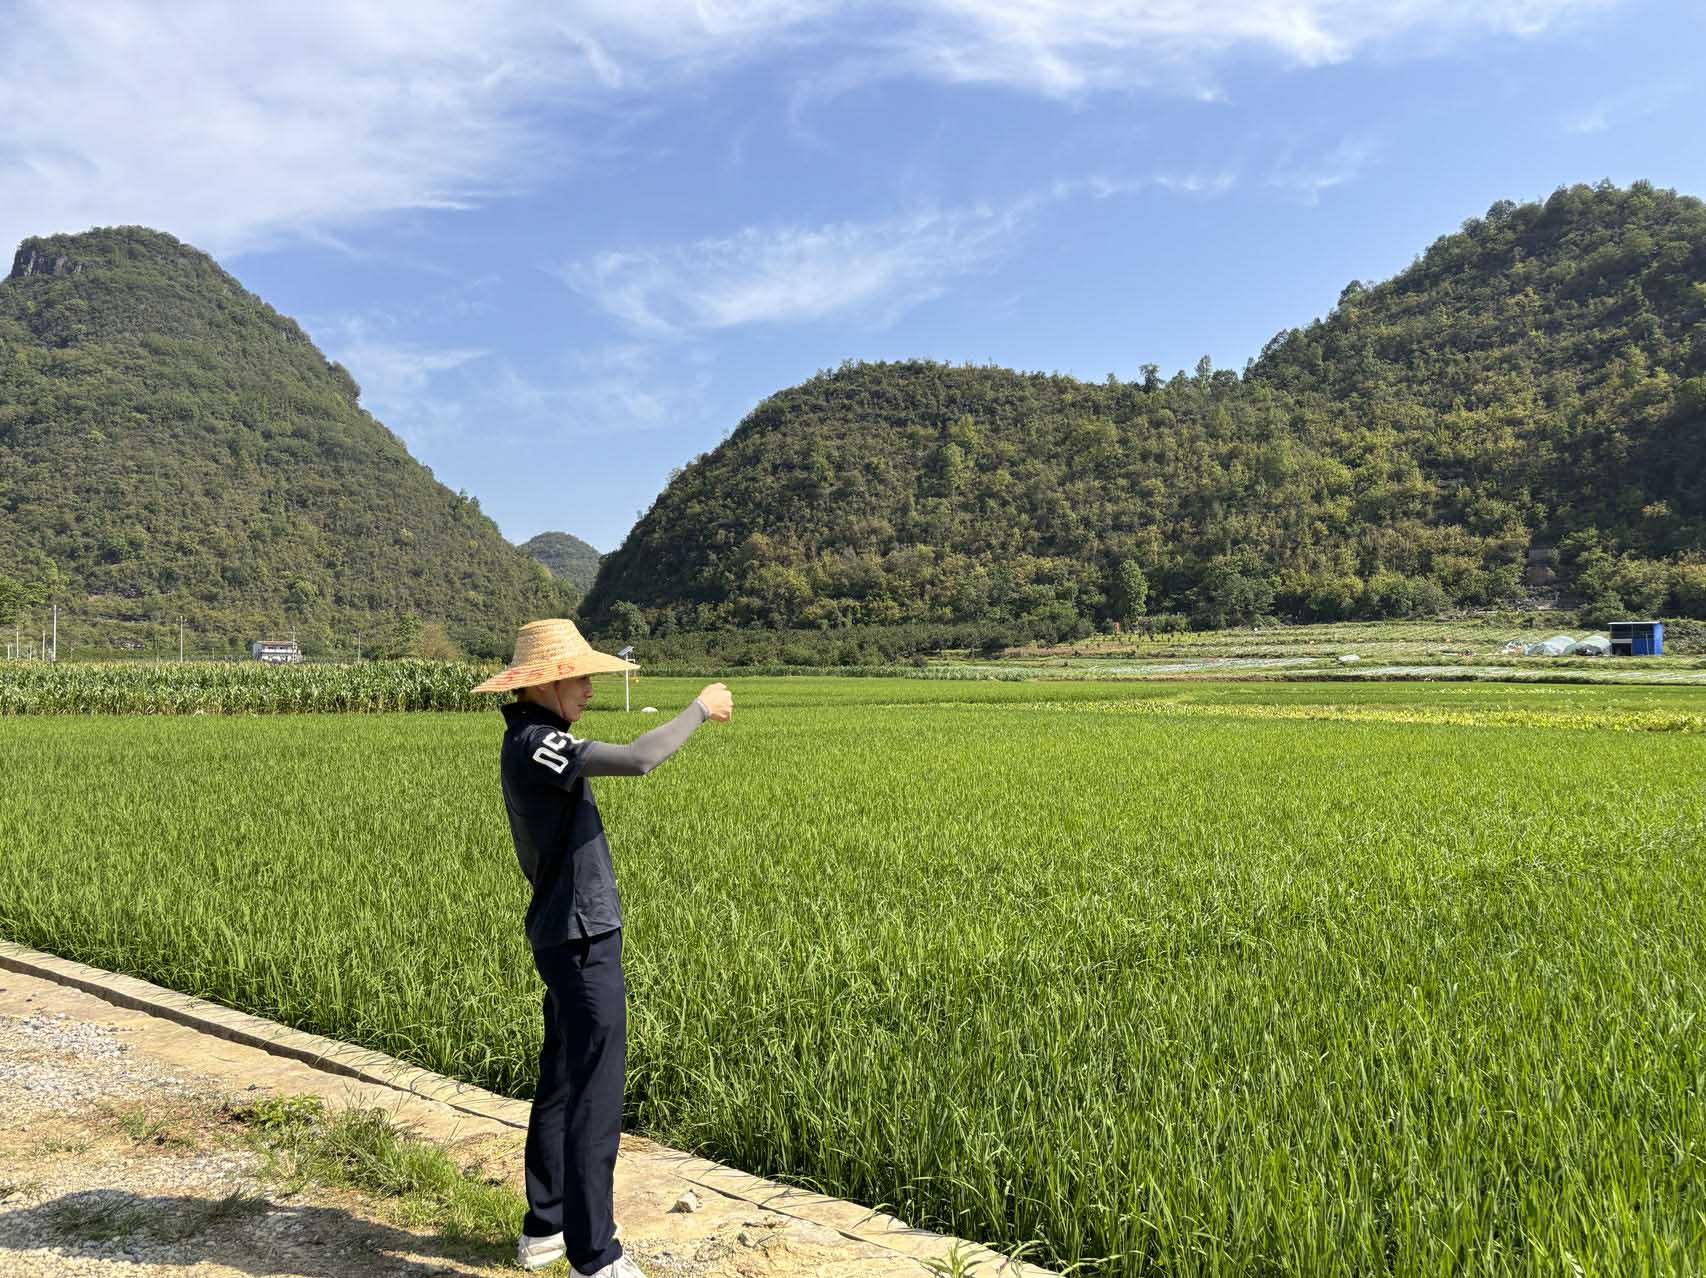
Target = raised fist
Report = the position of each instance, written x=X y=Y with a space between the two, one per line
x=718 y=701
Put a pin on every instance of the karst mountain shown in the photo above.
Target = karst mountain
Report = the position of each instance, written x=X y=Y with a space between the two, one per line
x=1522 y=411
x=172 y=446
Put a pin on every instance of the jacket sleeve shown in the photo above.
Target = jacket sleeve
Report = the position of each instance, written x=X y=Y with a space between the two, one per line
x=644 y=752
x=549 y=757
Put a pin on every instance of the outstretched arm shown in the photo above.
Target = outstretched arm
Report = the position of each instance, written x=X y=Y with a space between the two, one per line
x=646 y=751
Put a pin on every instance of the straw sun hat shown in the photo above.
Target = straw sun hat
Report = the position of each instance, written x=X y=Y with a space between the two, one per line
x=546 y=651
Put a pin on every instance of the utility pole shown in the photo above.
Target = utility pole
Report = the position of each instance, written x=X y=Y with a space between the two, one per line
x=180 y=638
x=55 y=656
x=627 y=706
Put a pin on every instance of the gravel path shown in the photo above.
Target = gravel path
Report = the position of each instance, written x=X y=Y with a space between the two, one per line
x=111 y=1164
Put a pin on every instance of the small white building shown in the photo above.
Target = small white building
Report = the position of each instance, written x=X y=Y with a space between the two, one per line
x=275 y=651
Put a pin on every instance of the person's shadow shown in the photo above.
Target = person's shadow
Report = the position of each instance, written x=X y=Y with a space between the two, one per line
x=250 y=1234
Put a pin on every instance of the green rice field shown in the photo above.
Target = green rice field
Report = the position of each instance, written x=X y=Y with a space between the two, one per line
x=1165 y=978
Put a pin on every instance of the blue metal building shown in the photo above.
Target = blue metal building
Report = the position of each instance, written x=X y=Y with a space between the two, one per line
x=1637 y=638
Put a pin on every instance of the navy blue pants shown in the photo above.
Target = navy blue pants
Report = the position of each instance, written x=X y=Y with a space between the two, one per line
x=576 y=1124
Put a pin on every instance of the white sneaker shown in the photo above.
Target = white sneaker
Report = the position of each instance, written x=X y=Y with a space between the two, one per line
x=536 y=1253
x=621 y=1267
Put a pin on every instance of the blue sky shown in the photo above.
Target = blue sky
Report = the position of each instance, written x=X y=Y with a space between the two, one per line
x=566 y=248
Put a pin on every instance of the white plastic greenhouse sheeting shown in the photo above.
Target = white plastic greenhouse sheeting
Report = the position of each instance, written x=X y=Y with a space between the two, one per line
x=1556 y=646
x=1593 y=646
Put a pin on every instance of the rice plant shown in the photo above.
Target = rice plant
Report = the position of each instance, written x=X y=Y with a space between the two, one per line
x=1163 y=979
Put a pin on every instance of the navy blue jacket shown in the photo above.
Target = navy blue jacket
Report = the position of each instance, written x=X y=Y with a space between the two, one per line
x=559 y=836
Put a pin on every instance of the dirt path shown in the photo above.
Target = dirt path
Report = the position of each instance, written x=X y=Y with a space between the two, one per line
x=114 y=1160
x=118 y=1155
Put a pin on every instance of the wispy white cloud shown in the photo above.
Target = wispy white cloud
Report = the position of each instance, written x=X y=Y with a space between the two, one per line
x=1622 y=108
x=426 y=393
x=238 y=126
x=401 y=379
x=793 y=273
x=399 y=367
x=1196 y=182
x=1595 y=119
x=233 y=127
x=545 y=433
x=1068 y=48
x=872 y=270
x=1306 y=177
x=615 y=388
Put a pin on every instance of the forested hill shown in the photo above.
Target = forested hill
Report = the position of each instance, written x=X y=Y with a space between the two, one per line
x=170 y=445
x=1543 y=365
x=568 y=557
x=1526 y=400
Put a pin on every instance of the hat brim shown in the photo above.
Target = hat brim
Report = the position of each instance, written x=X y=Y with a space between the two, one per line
x=530 y=676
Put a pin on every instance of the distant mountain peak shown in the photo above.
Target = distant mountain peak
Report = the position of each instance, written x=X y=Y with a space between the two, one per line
x=566 y=557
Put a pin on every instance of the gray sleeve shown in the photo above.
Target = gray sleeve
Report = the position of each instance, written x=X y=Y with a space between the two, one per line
x=644 y=752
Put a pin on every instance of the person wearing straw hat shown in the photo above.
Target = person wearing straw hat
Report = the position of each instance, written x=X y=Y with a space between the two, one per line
x=574 y=926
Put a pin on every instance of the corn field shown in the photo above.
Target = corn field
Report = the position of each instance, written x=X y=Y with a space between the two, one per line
x=198 y=687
